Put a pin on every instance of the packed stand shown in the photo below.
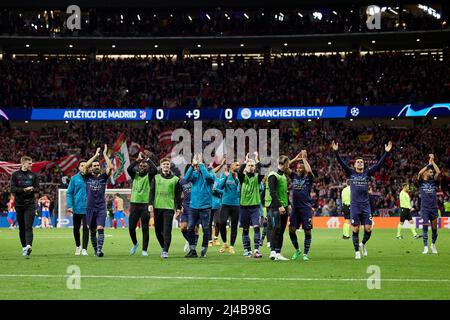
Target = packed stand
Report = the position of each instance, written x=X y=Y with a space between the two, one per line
x=219 y=81
x=408 y=157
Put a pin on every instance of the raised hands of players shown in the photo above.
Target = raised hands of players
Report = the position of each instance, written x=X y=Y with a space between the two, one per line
x=334 y=146
x=200 y=158
x=97 y=152
x=431 y=158
x=304 y=154
x=256 y=156
x=194 y=160
x=140 y=156
x=388 y=147
x=247 y=156
x=226 y=172
x=105 y=151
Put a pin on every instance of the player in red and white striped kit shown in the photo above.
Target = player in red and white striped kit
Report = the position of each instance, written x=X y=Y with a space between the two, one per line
x=46 y=217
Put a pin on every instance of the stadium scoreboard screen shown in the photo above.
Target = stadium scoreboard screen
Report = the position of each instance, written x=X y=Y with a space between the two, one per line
x=227 y=114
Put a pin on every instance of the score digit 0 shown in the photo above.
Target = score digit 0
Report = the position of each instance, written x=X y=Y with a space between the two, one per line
x=159 y=114
x=228 y=114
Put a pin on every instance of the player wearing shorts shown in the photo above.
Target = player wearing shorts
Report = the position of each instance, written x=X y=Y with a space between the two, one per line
x=118 y=211
x=95 y=195
x=250 y=213
x=12 y=216
x=215 y=211
x=301 y=214
x=428 y=204
x=346 y=201
x=184 y=217
x=46 y=221
x=405 y=213
x=360 y=211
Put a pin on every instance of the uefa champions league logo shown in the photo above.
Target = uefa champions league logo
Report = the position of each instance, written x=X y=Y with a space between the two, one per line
x=354 y=111
x=246 y=113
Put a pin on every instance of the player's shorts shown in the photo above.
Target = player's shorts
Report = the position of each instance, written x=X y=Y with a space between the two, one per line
x=12 y=215
x=428 y=215
x=95 y=217
x=45 y=214
x=405 y=214
x=301 y=216
x=184 y=215
x=346 y=211
x=360 y=214
x=118 y=215
x=249 y=216
x=215 y=215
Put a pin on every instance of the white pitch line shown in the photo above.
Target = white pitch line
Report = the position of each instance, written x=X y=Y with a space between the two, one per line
x=212 y=278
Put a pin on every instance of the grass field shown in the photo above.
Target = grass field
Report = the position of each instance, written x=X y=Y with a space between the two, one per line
x=332 y=272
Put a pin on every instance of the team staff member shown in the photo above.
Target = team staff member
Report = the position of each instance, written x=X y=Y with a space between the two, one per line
x=24 y=186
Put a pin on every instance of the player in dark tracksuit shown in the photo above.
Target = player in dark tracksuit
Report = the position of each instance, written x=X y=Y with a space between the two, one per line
x=95 y=203
x=24 y=186
x=428 y=204
x=301 y=214
x=359 y=188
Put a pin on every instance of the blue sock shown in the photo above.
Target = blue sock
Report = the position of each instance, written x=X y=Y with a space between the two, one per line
x=355 y=238
x=425 y=235
x=257 y=237
x=307 y=243
x=366 y=237
x=101 y=238
x=246 y=239
x=294 y=239
x=94 y=240
x=434 y=235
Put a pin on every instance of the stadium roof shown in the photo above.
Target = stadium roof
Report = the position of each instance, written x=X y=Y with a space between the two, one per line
x=175 y=4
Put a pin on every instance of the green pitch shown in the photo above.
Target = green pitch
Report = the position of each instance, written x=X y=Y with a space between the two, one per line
x=332 y=272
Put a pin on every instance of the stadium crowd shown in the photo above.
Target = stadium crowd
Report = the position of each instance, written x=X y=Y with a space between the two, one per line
x=371 y=79
x=411 y=148
x=214 y=22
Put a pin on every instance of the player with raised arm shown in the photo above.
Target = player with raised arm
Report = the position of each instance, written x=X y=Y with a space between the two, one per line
x=95 y=204
x=200 y=203
x=165 y=201
x=428 y=204
x=76 y=206
x=360 y=212
x=405 y=213
x=250 y=212
x=141 y=172
x=301 y=215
